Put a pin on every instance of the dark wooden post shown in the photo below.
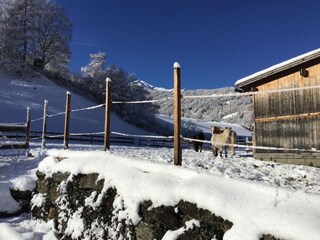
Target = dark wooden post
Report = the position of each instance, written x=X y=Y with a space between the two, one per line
x=28 y=127
x=254 y=140
x=107 y=116
x=254 y=128
x=44 y=125
x=233 y=142
x=67 y=122
x=177 y=115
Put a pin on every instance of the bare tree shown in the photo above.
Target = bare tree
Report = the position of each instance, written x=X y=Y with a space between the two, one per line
x=35 y=30
x=95 y=69
x=51 y=36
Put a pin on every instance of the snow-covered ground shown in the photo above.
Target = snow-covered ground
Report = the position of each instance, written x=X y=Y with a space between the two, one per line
x=258 y=197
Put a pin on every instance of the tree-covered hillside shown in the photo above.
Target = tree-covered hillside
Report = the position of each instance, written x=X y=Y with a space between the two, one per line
x=232 y=109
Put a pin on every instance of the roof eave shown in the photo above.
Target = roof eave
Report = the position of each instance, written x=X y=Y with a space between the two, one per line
x=254 y=78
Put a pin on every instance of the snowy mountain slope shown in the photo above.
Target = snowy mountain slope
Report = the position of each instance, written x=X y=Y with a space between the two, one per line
x=16 y=94
x=150 y=87
x=228 y=109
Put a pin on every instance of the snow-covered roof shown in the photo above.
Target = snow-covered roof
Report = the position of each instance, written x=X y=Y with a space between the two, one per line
x=278 y=68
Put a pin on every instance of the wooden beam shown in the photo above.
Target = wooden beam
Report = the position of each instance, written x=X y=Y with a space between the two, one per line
x=289 y=117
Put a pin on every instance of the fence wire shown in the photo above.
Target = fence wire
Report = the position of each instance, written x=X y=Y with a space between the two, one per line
x=142 y=136
x=256 y=147
x=142 y=101
x=74 y=110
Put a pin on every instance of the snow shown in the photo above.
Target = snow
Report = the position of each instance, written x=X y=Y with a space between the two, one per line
x=231 y=115
x=286 y=213
x=278 y=66
x=7 y=203
x=257 y=197
x=176 y=65
x=75 y=225
x=172 y=235
x=148 y=86
x=25 y=182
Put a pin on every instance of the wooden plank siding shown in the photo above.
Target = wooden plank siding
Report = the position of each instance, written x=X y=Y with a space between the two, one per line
x=290 y=119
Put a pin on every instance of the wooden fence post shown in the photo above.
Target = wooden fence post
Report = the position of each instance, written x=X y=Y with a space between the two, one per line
x=254 y=140
x=67 y=122
x=28 y=127
x=107 y=116
x=233 y=142
x=44 y=125
x=177 y=115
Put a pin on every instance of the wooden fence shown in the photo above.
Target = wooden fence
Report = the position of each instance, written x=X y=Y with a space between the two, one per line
x=177 y=142
x=135 y=141
x=12 y=134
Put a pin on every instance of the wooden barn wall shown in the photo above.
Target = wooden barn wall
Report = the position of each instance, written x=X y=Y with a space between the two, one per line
x=289 y=119
x=289 y=133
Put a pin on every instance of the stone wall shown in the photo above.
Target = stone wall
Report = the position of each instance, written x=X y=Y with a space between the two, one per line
x=78 y=210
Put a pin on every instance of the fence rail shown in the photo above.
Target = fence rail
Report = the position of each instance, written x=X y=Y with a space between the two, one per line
x=9 y=130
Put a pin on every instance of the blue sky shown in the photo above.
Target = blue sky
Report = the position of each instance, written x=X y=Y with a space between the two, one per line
x=215 y=42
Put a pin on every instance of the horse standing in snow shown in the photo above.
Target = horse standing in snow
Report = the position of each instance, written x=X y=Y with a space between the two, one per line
x=198 y=145
x=220 y=140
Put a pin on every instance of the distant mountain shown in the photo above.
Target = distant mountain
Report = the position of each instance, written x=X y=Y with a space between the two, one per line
x=236 y=109
x=148 y=86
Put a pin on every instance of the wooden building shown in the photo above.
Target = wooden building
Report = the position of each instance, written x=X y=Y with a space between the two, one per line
x=287 y=110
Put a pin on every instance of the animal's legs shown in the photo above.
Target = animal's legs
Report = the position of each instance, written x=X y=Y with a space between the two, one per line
x=226 y=152
x=214 y=151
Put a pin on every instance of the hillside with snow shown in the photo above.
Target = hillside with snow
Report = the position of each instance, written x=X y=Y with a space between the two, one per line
x=17 y=94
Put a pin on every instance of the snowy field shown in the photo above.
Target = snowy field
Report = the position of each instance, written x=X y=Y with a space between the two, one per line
x=258 y=197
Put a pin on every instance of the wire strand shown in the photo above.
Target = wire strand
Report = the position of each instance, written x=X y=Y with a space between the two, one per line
x=142 y=136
